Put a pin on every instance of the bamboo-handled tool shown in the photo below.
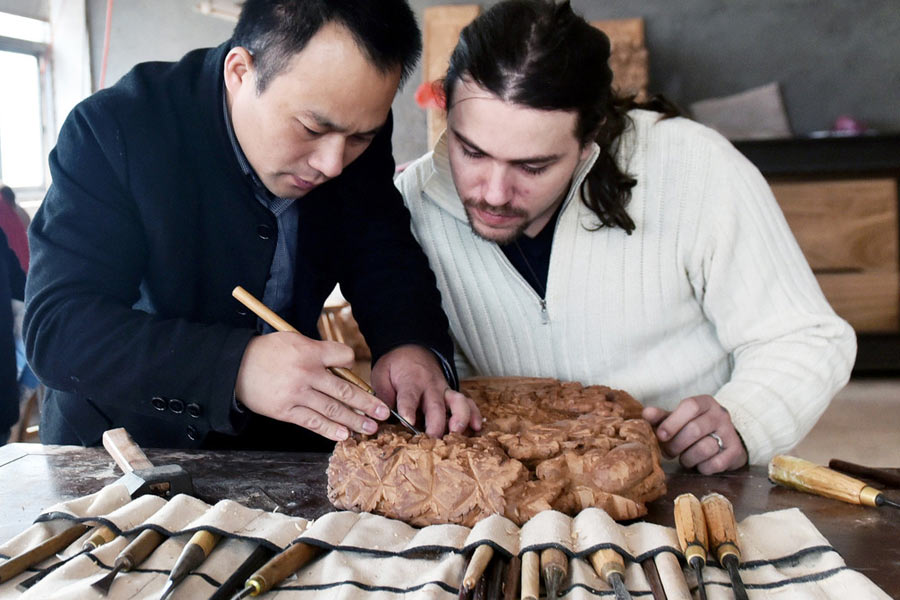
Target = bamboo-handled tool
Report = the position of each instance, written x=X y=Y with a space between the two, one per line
x=611 y=568
x=555 y=569
x=723 y=538
x=271 y=317
x=809 y=477
x=691 y=528
x=101 y=535
x=191 y=557
x=531 y=576
x=17 y=564
x=131 y=556
x=886 y=476
x=279 y=567
x=475 y=569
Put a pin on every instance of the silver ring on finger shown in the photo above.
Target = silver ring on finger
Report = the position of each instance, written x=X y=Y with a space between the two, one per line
x=719 y=441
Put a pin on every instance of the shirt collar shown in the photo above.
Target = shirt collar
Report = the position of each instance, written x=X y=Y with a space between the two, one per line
x=440 y=187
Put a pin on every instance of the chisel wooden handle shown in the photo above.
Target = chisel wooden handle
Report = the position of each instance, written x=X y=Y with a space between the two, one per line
x=809 y=477
x=477 y=564
x=139 y=548
x=124 y=451
x=531 y=576
x=101 y=535
x=606 y=562
x=46 y=549
x=555 y=569
x=690 y=525
x=282 y=566
x=723 y=538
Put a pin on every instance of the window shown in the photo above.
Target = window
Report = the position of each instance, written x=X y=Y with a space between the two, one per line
x=22 y=108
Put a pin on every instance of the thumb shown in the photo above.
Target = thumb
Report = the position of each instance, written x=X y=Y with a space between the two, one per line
x=654 y=414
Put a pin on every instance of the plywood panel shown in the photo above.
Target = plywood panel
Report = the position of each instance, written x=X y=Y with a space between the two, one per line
x=440 y=32
x=870 y=302
x=843 y=225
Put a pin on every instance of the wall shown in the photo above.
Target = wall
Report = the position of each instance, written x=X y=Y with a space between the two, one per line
x=831 y=56
x=33 y=9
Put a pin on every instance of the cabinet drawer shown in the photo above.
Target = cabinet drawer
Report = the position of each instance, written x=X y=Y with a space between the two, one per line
x=846 y=225
x=870 y=301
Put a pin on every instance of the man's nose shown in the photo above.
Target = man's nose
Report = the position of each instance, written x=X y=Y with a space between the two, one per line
x=497 y=186
x=328 y=157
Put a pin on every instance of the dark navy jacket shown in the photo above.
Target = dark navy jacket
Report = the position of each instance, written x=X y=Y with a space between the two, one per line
x=150 y=224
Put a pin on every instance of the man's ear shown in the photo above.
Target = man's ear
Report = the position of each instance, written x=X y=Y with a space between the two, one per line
x=239 y=69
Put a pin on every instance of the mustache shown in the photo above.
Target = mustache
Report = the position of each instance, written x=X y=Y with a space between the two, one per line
x=501 y=211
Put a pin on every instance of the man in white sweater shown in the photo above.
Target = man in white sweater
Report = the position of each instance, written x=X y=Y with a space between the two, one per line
x=576 y=236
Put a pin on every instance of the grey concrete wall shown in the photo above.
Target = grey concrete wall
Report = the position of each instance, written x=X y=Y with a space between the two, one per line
x=831 y=57
x=33 y=9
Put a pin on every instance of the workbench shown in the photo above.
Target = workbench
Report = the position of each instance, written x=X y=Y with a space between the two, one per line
x=34 y=477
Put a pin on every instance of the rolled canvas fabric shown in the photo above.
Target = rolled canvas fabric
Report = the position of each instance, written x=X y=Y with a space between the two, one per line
x=376 y=558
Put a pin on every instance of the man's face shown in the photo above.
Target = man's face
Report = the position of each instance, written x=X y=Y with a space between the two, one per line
x=512 y=165
x=313 y=118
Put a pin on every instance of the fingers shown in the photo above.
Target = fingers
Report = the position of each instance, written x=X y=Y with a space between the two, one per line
x=348 y=394
x=435 y=412
x=463 y=411
x=654 y=415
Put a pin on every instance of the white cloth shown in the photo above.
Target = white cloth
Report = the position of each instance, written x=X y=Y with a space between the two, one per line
x=709 y=295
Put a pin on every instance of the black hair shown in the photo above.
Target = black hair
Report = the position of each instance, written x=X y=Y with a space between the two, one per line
x=540 y=54
x=8 y=194
x=273 y=31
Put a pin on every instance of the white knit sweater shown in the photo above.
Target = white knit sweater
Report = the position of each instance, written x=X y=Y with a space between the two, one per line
x=709 y=295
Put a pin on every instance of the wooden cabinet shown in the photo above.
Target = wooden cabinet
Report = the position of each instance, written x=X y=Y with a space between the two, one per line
x=840 y=198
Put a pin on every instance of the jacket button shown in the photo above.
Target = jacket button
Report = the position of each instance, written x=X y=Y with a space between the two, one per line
x=264 y=232
x=176 y=406
x=192 y=432
x=194 y=410
x=158 y=403
x=242 y=312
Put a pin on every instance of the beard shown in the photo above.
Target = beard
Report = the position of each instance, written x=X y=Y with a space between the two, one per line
x=499 y=236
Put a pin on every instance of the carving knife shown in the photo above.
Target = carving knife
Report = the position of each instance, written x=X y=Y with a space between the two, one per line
x=809 y=477
x=271 y=317
x=723 y=539
x=278 y=568
x=690 y=525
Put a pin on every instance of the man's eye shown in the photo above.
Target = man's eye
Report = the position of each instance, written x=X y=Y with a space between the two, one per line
x=533 y=170
x=312 y=132
x=470 y=153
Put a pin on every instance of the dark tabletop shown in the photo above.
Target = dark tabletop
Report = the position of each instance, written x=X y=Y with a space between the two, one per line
x=34 y=477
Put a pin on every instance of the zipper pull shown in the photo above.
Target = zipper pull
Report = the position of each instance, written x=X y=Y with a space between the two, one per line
x=545 y=317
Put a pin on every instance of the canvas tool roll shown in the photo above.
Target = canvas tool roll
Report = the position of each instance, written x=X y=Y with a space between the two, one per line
x=373 y=557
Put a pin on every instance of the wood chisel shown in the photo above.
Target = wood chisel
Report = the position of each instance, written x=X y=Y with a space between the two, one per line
x=475 y=569
x=723 y=538
x=611 y=568
x=652 y=573
x=555 y=569
x=101 y=535
x=278 y=324
x=279 y=568
x=531 y=576
x=692 y=537
x=809 y=477
x=17 y=564
x=131 y=556
x=191 y=557
x=235 y=582
x=888 y=477
x=512 y=579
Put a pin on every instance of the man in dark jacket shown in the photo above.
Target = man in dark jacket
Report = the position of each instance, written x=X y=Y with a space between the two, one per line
x=12 y=285
x=266 y=163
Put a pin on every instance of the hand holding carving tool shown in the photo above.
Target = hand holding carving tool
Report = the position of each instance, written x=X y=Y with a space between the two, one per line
x=555 y=569
x=131 y=556
x=100 y=536
x=723 y=538
x=271 y=317
x=279 y=567
x=192 y=556
x=531 y=576
x=691 y=528
x=610 y=566
x=17 y=564
x=809 y=477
